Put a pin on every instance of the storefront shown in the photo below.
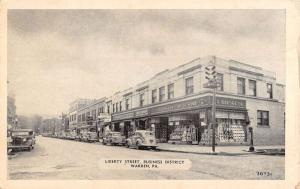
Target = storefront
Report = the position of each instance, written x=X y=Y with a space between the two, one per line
x=188 y=122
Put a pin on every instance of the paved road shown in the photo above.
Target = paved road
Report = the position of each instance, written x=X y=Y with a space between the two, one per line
x=62 y=159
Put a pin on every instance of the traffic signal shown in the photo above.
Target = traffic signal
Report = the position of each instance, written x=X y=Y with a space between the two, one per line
x=210 y=73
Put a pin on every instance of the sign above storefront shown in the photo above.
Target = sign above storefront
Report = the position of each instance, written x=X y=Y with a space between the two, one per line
x=203 y=102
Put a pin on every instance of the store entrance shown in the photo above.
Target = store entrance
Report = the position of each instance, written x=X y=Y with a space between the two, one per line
x=161 y=129
x=126 y=128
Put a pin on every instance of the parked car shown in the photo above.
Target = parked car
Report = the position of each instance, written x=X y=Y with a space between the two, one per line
x=142 y=139
x=21 y=139
x=113 y=138
x=89 y=136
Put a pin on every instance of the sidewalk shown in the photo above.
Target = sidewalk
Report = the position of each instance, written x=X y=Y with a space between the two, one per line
x=221 y=150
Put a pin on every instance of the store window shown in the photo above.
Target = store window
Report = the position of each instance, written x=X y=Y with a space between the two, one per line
x=270 y=90
x=220 y=81
x=154 y=96
x=142 y=99
x=262 y=118
x=170 y=91
x=189 y=86
x=252 y=88
x=241 y=85
x=127 y=104
x=162 y=94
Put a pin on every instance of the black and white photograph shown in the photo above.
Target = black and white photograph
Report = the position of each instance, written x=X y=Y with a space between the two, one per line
x=146 y=94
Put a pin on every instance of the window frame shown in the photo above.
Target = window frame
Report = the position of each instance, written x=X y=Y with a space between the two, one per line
x=255 y=87
x=142 y=99
x=154 y=97
x=170 y=92
x=187 y=88
x=261 y=121
x=162 y=96
x=243 y=85
x=270 y=93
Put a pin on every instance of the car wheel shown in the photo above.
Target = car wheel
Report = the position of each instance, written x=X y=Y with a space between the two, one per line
x=138 y=147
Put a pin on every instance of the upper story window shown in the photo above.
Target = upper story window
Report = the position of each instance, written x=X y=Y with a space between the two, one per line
x=117 y=107
x=113 y=108
x=162 y=94
x=94 y=114
x=241 y=85
x=142 y=99
x=252 y=87
x=189 y=86
x=79 y=118
x=127 y=104
x=220 y=81
x=83 y=117
x=270 y=90
x=120 y=105
x=170 y=91
x=108 y=109
x=262 y=118
x=154 y=95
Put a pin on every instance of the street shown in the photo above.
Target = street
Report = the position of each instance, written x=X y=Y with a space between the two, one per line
x=63 y=159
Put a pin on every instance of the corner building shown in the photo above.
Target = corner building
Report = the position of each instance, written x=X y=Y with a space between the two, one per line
x=175 y=105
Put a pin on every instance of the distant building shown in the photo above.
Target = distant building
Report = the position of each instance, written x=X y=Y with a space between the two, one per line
x=176 y=106
x=11 y=112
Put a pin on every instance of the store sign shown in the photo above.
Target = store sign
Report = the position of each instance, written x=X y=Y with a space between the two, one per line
x=230 y=102
x=123 y=116
x=190 y=104
x=202 y=102
x=141 y=113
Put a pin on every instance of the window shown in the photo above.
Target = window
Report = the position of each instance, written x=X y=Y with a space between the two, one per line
x=262 y=117
x=83 y=117
x=220 y=81
x=270 y=90
x=108 y=109
x=189 y=86
x=94 y=114
x=154 y=95
x=79 y=118
x=162 y=94
x=142 y=99
x=127 y=104
x=113 y=108
x=120 y=105
x=171 y=91
x=117 y=106
x=252 y=87
x=241 y=85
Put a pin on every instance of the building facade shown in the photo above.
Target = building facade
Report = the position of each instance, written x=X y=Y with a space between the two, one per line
x=73 y=109
x=175 y=105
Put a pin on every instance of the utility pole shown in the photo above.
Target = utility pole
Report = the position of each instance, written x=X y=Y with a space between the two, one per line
x=212 y=84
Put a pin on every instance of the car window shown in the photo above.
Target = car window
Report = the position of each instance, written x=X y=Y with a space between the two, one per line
x=149 y=134
x=116 y=134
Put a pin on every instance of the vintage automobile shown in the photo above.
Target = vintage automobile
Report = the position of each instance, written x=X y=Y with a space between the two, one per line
x=113 y=138
x=142 y=139
x=88 y=135
x=22 y=139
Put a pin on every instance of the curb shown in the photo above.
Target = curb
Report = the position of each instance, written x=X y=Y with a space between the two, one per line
x=206 y=153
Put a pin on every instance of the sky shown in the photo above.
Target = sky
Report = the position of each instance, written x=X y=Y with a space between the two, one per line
x=57 y=56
